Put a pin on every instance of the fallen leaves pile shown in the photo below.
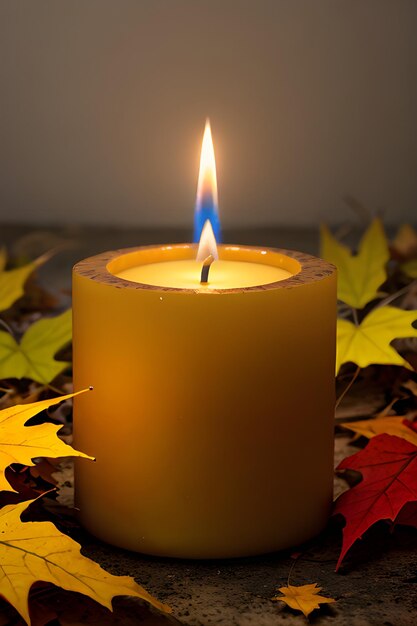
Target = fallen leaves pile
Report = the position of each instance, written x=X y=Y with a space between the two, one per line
x=376 y=343
x=33 y=551
x=367 y=326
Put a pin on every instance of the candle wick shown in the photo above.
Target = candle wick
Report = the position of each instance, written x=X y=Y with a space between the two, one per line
x=206 y=269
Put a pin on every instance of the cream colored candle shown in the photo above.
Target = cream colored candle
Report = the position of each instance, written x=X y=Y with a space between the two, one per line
x=212 y=412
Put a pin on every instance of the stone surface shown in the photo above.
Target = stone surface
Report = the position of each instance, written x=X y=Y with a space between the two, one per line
x=375 y=587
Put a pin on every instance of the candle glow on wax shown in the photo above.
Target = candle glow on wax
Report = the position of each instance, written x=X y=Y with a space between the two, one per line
x=206 y=207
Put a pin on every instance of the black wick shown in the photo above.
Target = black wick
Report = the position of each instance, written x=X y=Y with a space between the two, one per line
x=206 y=269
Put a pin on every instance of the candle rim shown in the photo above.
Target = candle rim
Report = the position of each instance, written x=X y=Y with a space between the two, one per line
x=312 y=269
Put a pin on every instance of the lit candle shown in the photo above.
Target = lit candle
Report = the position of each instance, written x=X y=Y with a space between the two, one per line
x=212 y=412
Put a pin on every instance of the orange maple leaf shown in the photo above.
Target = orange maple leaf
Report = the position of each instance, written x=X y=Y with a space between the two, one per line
x=304 y=598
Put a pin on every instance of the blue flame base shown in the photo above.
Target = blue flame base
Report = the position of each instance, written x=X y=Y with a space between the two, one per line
x=203 y=214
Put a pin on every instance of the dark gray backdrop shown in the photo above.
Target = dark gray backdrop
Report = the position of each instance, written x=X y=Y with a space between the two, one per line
x=103 y=105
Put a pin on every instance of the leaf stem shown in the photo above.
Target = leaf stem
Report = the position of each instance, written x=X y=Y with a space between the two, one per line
x=54 y=389
x=291 y=569
x=46 y=256
x=7 y=327
x=355 y=316
x=348 y=386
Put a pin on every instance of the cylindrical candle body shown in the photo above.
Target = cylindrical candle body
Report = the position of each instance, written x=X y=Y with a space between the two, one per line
x=211 y=417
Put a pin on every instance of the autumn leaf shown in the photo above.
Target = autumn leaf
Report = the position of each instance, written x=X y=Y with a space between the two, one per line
x=33 y=356
x=12 y=282
x=304 y=598
x=408 y=515
x=405 y=242
x=21 y=444
x=392 y=425
x=388 y=466
x=410 y=268
x=360 y=275
x=411 y=424
x=37 y=551
x=369 y=342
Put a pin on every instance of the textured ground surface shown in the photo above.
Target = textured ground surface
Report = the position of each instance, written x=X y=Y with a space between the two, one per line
x=377 y=586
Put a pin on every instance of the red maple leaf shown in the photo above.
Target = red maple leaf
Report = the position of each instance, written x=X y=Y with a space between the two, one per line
x=408 y=515
x=412 y=424
x=388 y=466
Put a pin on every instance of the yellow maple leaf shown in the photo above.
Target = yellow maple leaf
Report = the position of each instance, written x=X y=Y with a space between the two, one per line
x=360 y=275
x=304 y=598
x=12 y=282
x=369 y=342
x=21 y=444
x=37 y=551
x=392 y=425
x=33 y=356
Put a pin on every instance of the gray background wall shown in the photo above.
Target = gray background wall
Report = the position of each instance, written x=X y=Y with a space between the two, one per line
x=103 y=105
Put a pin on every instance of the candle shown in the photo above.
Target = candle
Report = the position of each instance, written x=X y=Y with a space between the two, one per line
x=212 y=412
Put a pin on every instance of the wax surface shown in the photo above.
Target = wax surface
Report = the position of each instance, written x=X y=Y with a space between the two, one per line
x=223 y=274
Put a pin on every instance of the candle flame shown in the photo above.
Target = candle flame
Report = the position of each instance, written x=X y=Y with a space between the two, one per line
x=207 y=177
x=206 y=207
x=207 y=245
